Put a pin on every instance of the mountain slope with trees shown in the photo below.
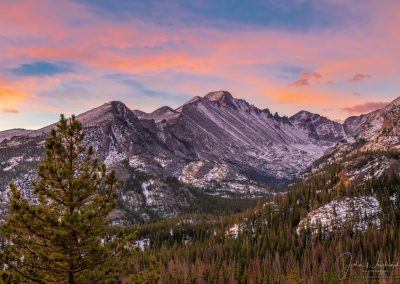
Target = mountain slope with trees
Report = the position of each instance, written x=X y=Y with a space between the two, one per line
x=214 y=145
x=341 y=222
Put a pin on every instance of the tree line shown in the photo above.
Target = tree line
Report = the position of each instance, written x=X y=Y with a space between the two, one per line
x=65 y=234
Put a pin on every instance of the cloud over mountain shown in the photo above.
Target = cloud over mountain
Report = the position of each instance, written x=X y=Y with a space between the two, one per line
x=365 y=107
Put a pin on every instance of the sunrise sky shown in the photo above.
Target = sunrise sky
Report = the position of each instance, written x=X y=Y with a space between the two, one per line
x=334 y=57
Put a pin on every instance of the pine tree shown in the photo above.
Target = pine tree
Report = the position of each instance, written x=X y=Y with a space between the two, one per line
x=150 y=276
x=64 y=234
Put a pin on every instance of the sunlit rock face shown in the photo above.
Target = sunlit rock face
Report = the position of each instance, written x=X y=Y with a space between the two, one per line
x=218 y=144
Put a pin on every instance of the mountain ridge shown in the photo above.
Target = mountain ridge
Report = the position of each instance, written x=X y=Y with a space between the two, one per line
x=218 y=144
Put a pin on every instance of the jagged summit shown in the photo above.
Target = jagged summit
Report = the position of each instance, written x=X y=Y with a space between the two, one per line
x=318 y=127
x=163 y=110
x=106 y=111
x=163 y=114
x=218 y=96
x=223 y=98
x=307 y=116
x=218 y=126
x=302 y=113
x=215 y=141
x=369 y=126
x=266 y=110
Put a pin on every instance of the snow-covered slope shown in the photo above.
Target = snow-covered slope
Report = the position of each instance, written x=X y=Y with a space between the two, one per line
x=220 y=144
x=318 y=127
x=254 y=144
x=113 y=130
x=7 y=134
x=220 y=127
x=164 y=114
x=359 y=212
x=375 y=131
x=379 y=130
x=372 y=141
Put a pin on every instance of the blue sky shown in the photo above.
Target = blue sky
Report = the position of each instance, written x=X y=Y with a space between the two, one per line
x=334 y=57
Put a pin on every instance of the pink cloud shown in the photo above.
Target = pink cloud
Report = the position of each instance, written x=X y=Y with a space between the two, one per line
x=365 y=107
x=42 y=30
x=300 y=83
x=310 y=75
x=359 y=77
x=306 y=78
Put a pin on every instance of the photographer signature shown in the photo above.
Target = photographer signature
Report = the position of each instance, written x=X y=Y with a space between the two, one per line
x=346 y=259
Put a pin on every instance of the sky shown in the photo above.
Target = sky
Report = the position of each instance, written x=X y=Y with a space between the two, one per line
x=334 y=57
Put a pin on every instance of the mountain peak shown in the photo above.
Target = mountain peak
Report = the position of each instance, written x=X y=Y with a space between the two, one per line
x=163 y=109
x=304 y=115
x=106 y=111
x=164 y=113
x=394 y=103
x=224 y=98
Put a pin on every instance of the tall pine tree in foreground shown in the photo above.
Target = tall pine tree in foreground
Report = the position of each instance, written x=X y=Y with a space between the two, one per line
x=64 y=236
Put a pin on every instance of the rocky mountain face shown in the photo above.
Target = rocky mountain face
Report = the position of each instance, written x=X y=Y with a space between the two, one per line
x=368 y=154
x=264 y=147
x=319 y=127
x=215 y=145
x=371 y=146
x=7 y=134
x=380 y=130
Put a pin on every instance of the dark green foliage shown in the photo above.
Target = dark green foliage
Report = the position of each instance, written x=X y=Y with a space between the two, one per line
x=64 y=235
x=149 y=276
x=218 y=205
x=189 y=199
x=196 y=248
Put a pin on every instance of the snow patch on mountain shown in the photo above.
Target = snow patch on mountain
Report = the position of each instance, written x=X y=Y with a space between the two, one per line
x=148 y=195
x=114 y=157
x=162 y=162
x=393 y=199
x=361 y=212
x=200 y=173
x=142 y=243
x=234 y=231
x=11 y=163
x=137 y=162
x=372 y=169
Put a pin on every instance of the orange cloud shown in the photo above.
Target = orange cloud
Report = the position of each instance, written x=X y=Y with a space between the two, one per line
x=155 y=63
x=365 y=107
x=304 y=98
x=359 y=77
x=8 y=95
x=242 y=61
x=9 y=99
x=9 y=110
